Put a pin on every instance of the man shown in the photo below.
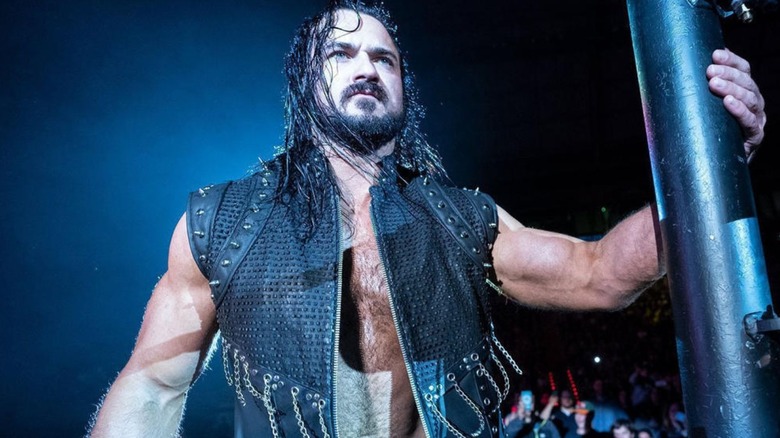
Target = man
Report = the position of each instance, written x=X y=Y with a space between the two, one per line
x=642 y=386
x=607 y=408
x=563 y=415
x=524 y=422
x=623 y=428
x=583 y=417
x=349 y=288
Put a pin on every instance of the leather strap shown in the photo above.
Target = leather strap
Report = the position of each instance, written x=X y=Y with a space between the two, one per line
x=203 y=206
x=486 y=207
x=201 y=211
x=246 y=231
x=442 y=207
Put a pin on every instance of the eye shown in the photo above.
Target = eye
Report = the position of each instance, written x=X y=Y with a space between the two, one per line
x=386 y=60
x=338 y=55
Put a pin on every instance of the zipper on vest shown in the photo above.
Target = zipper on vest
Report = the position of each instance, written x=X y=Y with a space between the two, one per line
x=337 y=324
x=412 y=383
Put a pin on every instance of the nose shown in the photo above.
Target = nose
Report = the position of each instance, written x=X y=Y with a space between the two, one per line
x=364 y=68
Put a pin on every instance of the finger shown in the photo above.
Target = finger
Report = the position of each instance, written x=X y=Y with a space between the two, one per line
x=731 y=59
x=740 y=111
x=750 y=122
x=754 y=102
x=732 y=74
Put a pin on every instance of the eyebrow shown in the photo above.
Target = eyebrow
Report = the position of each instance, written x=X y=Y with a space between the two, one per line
x=373 y=50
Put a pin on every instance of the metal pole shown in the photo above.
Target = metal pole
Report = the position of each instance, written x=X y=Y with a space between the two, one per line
x=715 y=262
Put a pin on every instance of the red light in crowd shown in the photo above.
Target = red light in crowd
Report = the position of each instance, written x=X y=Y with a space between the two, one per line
x=573 y=385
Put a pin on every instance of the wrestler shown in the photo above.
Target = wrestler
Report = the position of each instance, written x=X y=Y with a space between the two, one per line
x=348 y=284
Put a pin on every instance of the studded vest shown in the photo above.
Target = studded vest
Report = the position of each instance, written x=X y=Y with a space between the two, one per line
x=276 y=284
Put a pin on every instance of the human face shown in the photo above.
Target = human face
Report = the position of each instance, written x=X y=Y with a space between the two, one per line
x=363 y=68
x=566 y=399
x=622 y=432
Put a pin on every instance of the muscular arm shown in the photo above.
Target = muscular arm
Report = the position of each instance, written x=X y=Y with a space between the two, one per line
x=549 y=270
x=147 y=398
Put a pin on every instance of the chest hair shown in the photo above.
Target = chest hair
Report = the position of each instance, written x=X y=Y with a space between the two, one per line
x=375 y=397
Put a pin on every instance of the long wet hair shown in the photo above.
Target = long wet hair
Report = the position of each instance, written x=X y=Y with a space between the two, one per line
x=305 y=173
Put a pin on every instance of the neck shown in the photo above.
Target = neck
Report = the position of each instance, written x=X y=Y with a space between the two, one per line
x=355 y=173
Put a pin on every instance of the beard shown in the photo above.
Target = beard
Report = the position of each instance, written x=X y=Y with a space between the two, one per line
x=365 y=134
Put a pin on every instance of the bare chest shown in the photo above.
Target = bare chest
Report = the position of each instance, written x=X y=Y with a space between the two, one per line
x=366 y=299
x=375 y=397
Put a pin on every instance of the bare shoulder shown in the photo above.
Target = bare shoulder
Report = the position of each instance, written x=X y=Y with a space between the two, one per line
x=509 y=226
x=181 y=262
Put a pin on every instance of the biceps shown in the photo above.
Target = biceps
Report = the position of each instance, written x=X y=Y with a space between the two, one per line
x=540 y=268
x=176 y=334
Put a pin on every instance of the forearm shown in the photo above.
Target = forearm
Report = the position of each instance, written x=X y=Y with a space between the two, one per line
x=137 y=407
x=630 y=257
x=547 y=411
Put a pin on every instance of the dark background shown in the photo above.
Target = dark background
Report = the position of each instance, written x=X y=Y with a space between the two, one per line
x=111 y=112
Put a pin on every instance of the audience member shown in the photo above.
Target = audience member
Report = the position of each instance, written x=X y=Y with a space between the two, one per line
x=524 y=422
x=675 y=421
x=563 y=415
x=644 y=433
x=583 y=417
x=623 y=428
x=607 y=408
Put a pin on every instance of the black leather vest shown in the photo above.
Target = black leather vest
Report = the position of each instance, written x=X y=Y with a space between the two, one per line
x=276 y=280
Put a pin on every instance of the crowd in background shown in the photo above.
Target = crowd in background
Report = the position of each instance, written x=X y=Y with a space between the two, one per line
x=645 y=405
x=597 y=375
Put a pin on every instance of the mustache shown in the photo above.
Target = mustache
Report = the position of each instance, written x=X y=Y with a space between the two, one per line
x=364 y=87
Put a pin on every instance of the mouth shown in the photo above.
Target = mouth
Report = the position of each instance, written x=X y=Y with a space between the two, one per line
x=368 y=89
x=365 y=93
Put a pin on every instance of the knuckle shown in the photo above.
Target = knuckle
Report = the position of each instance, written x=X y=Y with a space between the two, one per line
x=761 y=103
x=740 y=111
x=752 y=102
x=744 y=77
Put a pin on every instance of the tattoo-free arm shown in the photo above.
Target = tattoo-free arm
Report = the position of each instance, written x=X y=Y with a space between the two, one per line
x=547 y=411
x=147 y=398
x=550 y=270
